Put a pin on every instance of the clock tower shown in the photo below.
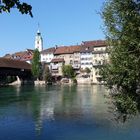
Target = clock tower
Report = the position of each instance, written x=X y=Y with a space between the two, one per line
x=38 y=41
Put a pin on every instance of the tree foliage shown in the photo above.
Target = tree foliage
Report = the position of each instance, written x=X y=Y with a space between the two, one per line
x=68 y=71
x=36 y=66
x=122 y=74
x=87 y=70
x=7 y=5
x=47 y=74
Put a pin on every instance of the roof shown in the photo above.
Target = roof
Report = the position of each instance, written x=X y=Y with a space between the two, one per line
x=75 y=48
x=57 y=60
x=19 y=54
x=8 y=56
x=67 y=49
x=30 y=50
x=26 y=57
x=86 y=49
x=23 y=55
x=95 y=43
x=10 y=63
x=47 y=51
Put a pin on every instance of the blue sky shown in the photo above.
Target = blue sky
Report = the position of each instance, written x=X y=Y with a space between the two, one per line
x=62 y=22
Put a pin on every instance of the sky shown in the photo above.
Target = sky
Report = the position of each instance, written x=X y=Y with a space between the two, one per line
x=61 y=22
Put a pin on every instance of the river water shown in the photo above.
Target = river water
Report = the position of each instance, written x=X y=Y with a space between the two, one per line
x=61 y=113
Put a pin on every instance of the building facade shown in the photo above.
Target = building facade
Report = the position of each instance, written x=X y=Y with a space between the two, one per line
x=70 y=54
x=90 y=54
x=56 y=67
x=86 y=55
x=38 y=41
x=47 y=55
x=100 y=57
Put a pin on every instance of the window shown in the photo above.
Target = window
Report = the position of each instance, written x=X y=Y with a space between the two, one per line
x=96 y=73
x=76 y=62
x=71 y=62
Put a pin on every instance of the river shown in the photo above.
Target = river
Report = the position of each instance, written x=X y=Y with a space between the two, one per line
x=61 y=113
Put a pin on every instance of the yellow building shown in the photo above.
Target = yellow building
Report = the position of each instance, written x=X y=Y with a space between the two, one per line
x=65 y=55
x=100 y=57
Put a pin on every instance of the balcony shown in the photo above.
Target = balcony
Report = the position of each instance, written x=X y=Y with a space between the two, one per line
x=76 y=66
x=54 y=67
x=97 y=64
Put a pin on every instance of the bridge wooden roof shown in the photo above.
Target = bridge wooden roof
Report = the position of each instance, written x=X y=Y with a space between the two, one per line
x=10 y=63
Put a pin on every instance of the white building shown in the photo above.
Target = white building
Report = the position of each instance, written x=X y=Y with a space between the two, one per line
x=47 y=55
x=86 y=57
x=38 y=41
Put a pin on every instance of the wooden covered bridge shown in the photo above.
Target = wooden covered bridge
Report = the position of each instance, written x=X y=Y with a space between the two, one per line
x=10 y=67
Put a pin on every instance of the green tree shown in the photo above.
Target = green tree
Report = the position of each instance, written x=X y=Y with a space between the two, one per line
x=46 y=74
x=7 y=5
x=122 y=74
x=36 y=66
x=87 y=70
x=68 y=71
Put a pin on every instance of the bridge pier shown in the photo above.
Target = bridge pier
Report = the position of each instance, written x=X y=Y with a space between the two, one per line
x=17 y=82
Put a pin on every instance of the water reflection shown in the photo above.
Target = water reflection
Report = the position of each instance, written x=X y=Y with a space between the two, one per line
x=43 y=110
x=50 y=103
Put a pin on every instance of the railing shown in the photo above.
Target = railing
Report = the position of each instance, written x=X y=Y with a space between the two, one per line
x=76 y=66
x=97 y=64
x=54 y=67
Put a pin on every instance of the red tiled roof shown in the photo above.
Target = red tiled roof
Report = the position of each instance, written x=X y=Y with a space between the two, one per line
x=57 y=60
x=86 y=49
x=10 y=63
x=75 y=48
x=49 y=50
x=27 y=58
x=19 y=54
x=67 y=49
x=95 y=43
x=23 y=56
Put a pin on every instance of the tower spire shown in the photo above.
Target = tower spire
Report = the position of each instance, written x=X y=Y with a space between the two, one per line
x=38 y=40
x=38 y=31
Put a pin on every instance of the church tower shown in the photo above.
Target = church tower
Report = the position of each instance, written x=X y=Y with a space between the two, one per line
x=38 y=41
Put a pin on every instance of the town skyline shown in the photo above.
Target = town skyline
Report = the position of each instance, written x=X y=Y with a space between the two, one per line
x=62 y=23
